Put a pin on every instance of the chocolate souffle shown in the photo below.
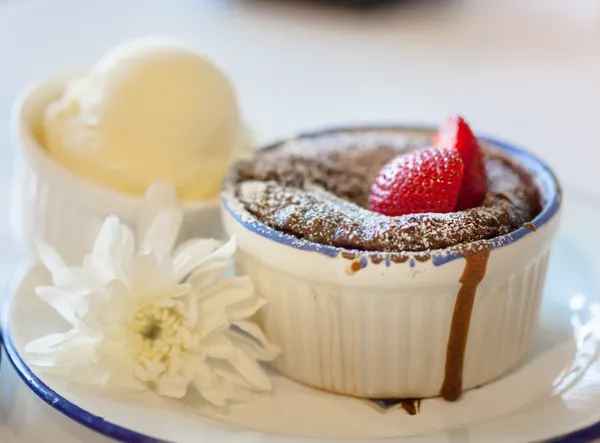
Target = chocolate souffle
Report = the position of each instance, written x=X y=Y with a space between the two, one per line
x=317 y=188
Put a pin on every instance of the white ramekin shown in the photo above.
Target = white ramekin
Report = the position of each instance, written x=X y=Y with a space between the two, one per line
x=383 y=331
x=53 y=204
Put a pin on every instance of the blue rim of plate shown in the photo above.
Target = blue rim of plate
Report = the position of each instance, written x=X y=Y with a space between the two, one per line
x=108 y=429
x=69 y=409
x=111 y=430
x=44 y=392
x=542 y=172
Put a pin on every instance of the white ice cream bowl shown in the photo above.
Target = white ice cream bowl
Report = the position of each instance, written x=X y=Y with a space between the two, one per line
x=383 y=331
x=53 y=204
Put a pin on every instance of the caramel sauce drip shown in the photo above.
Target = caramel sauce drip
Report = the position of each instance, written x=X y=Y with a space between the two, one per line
x=461 y=320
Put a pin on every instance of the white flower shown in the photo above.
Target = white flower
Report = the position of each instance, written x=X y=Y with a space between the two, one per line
x=156 y=318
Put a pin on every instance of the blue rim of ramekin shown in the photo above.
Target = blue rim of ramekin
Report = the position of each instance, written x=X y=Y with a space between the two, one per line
x=545 y=179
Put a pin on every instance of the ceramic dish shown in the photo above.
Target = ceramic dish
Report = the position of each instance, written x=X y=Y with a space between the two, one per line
x=54 y=204
x=553 y=392
x=358 y=324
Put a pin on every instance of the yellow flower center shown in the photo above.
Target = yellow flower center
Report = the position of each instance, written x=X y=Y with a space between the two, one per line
x=159 y=333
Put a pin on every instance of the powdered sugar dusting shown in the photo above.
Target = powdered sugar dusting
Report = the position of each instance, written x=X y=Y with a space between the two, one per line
x=316 y=189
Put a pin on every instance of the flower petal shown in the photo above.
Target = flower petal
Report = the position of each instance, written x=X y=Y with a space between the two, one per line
x=148 y=370
x=122 y=251
x=162 y=233
x=63 y=302
x=213 y=393
x=108 y=231
x=219 y=347
x=113 y=380
x=250 y=370
x=208 y=385
x=152 y=274
x=61 y=349
x=234 y=392
x=225 y=371
x=112 y=251
x=98 y=269
x=252 y=330
x=228 y=292
x=168 y=387
x=205 y=277
x=215 y=321
x=236 y=388
x=61 y=274
x=222 y=348
x=49 y=343
x=245 y=308
x=159 y=196
x=194 y=253
x=260 y=350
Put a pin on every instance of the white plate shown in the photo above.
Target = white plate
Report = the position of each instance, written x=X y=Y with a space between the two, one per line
x=554 y=392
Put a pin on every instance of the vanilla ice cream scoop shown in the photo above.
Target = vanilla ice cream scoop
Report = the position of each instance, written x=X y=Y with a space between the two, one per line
x=150 y=109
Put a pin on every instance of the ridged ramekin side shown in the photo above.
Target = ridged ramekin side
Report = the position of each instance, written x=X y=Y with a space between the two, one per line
x=392 y=343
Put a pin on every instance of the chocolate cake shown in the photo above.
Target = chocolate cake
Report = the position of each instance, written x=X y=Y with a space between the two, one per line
x=317 y=188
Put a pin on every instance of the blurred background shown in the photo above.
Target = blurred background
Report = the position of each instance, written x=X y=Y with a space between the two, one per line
x=525 y=70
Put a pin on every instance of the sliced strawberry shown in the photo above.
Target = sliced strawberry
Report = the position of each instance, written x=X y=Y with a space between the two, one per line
x=456 y=134
x=427 y=180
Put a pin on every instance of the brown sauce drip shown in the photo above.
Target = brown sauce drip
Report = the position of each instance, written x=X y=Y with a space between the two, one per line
x=399 y=258
x=411 y=406
x=376 y=259
x=461 y=320
x=530 y=226
x=353 y=267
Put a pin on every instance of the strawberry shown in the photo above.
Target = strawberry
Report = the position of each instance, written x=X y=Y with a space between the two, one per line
x=426 y=180
x=456 y=134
